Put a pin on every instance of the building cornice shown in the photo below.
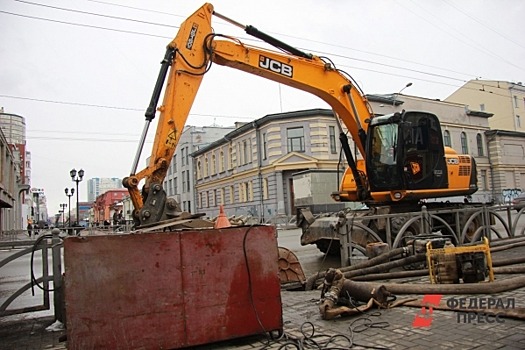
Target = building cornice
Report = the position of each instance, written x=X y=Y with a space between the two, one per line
x=308 y=113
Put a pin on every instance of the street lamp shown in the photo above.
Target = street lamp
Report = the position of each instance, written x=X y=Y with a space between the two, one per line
x=69 y=202
x=63 y=209
x=400 y=91
x=77 y=179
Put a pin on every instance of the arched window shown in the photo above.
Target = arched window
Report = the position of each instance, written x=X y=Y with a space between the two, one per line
x=230 y=157
x=213 y=165
x=199 y=170
x=479 y=142
x=206 y=167
x=464 y=143
x=446 y=138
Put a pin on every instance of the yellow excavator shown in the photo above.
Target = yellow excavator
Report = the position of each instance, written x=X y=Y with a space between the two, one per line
x=402 y=158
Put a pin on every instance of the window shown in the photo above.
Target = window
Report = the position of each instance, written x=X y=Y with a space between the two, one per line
x=245 y=152
x=232 y=196
x=515 y=101
x=213 y=165
x=199 y=170
x=230 y=157
x=295 y=137
x=215 y=199
x=170 y=186
x=221 y=161
x=182 y=156
x=183 y=183
x=479 y=141
x=333 y=148
x=446 y=138
x=222 y=195
x=482 y=107
x=518 y=122
x=240 y=160
x=187 y=180
x=187 y=156
x=208 y=199
x=174 y=163
x=264 y=146
x=464 y=144
x=175 y=186
x=206 y=167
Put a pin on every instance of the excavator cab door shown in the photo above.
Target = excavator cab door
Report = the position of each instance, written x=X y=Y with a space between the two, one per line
x=423 y=162
x=406 y=152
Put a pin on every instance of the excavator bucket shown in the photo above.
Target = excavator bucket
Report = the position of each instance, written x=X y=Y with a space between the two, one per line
x=290 y=271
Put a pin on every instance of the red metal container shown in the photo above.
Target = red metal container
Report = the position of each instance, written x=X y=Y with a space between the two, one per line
x=171 y=290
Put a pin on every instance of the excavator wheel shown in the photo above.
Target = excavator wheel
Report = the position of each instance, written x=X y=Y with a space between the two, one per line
x=290 y=270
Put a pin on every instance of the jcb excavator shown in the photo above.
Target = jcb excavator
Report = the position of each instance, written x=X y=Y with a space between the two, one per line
x=402 y=156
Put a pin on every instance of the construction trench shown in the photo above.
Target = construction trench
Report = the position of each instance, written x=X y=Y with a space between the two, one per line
x=235 y=266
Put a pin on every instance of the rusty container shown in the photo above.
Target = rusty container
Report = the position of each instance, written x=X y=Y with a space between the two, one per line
x=171 y=290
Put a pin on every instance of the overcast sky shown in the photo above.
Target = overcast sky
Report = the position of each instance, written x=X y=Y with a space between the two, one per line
x=82 y=72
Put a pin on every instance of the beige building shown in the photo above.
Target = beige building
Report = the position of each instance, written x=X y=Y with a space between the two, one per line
x=503 y=99
x=506 y=139
x=253 y=170
x=250 y=170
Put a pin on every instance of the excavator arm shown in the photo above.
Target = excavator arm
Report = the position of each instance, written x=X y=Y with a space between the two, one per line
x=188 y=58
x=403 y=157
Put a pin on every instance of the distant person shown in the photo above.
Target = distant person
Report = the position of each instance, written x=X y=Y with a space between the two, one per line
x=29 y=229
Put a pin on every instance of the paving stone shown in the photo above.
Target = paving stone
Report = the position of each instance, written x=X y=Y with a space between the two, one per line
x=298 y=307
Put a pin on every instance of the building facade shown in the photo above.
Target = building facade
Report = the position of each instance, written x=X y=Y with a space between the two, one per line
x=106 y=205
x=250 y=170
x=15 y=157
x=97 y=186
x=179 y=180
x=9 y=170
x=504 y=99
x=506 y=137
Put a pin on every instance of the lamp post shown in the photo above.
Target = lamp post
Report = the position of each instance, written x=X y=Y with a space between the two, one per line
x=400 y=91
x=69 y=202
x=62 y=210
x=77 y=179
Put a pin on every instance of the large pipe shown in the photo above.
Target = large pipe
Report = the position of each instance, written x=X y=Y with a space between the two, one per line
x=465 y=288
x=380 y=266
x=502 y=270
x=371 y=262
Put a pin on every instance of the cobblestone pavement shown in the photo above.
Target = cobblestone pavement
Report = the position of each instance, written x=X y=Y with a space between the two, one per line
x=379 y=329
x=384 y=329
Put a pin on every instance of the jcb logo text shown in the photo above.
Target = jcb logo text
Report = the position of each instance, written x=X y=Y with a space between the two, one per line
x=275 y=66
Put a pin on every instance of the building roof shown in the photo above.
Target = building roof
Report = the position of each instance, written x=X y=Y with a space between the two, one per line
x=496 y=132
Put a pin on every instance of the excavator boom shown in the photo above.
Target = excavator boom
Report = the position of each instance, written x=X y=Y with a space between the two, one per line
x=383 y=143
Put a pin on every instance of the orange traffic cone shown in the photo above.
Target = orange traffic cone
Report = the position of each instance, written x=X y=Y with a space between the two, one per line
x=222 y=221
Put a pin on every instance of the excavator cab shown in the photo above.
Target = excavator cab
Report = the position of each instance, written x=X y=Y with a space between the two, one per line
x=406 y=152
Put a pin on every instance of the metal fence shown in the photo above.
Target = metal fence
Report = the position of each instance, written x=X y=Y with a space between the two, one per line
x=47 y=248
x=466 y=225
